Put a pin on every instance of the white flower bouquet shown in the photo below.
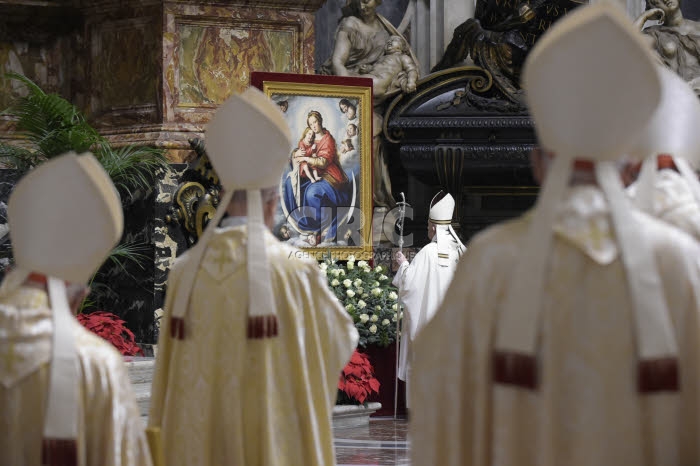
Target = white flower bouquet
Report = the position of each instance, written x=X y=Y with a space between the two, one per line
x=369 y=297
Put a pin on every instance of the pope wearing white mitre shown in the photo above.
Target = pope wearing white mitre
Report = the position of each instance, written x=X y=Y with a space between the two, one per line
x=65 y=395
x=423 y=283
x=668 y=187
x=253 y=340
x=577 y=343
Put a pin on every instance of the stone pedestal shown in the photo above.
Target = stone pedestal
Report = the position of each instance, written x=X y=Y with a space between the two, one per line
x=353 y=415
x=383 y=362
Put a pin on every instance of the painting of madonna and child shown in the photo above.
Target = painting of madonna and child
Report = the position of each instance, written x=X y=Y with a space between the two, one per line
x=325 y=190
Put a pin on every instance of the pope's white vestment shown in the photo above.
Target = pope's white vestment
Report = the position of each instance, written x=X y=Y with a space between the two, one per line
x=587 y=409
x=422 y=285
x=673 y=201
x=223 y=399
x=110 y=431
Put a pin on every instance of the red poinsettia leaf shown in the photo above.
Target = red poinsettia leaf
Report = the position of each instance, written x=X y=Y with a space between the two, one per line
x=354 y=371
x=354 y=391
x=110 y=327
x=357 y=379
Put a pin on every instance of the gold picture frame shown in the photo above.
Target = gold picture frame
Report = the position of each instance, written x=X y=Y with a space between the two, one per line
x=326 y=190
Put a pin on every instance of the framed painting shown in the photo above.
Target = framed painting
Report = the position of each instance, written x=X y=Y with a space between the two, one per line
x=326 y=189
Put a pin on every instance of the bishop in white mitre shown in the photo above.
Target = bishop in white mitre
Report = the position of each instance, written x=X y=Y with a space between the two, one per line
x=254 y=341
x=668 y=187
x=578 y=340
x=65 y=395
x=423 y=282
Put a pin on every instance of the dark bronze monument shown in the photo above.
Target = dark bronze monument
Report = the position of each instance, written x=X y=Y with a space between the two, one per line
x=466 y=128
x=498 y=39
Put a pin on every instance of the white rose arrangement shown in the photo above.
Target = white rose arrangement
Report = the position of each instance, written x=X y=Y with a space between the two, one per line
x=368 y=296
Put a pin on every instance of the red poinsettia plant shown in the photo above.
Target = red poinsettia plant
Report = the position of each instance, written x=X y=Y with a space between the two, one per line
x=357 y=380
x=110 y=327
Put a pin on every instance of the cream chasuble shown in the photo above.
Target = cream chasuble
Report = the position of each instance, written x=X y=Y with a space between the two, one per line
x=587 y=409
x=110 y=431
x=223 y=399
x=673 y=201
x=422 y=285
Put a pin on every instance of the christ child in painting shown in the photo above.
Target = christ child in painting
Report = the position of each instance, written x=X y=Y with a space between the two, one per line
x=308 y=145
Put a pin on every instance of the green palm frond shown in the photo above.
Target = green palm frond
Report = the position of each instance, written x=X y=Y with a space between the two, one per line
x=128 y=252
x=50 y=122
x=131 y=168
x=88 y=303
x=31 y=85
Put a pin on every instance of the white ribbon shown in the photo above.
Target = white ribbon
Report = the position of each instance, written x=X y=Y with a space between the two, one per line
x=520 y=316
x=655 y=337
x=61 y=420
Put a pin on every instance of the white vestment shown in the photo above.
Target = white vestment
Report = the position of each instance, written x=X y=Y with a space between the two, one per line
x=422 y=285
x=673 y=201
x=110 y=431
x=587 y=409
x=223 y=399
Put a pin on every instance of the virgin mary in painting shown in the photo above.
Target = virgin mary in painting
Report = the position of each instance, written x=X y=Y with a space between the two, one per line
x=312 y=205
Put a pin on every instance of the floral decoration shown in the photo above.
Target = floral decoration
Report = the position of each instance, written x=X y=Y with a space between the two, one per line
x=357 y=380
x=368 y=296
x=111 y=328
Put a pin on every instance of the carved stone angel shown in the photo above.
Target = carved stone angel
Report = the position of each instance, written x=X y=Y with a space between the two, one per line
x=676 y=39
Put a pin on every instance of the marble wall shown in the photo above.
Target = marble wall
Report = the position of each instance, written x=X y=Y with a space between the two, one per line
x=8 y=179
x=209 y=53
x=152 y=72
x=122 y=63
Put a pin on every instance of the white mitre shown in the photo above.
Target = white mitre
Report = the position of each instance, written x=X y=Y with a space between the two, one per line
x=446 y=238
x=247 y=142
x=74 y=196
x=441 y=212
x=591 y=86
x=674 y=130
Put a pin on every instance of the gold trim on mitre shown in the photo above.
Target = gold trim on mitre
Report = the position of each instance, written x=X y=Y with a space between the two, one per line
x=441 y=212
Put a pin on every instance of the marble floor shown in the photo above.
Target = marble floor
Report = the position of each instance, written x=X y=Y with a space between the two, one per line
x=382 y=443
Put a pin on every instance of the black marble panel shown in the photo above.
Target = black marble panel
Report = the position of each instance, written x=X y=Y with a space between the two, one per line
x=169 y=239
x=8 y=179
x=126 y=289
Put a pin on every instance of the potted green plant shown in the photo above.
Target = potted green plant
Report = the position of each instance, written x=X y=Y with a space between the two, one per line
x=372 y=302
x=48 y=126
